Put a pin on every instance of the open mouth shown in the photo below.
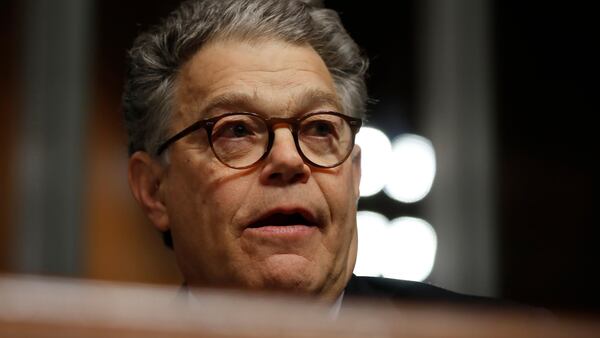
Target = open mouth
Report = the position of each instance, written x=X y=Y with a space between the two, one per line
x=284 y=219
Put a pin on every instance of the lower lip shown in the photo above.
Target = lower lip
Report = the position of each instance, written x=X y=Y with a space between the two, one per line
x=287 y=231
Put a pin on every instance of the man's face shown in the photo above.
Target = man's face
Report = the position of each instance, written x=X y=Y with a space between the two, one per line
x=210 y=207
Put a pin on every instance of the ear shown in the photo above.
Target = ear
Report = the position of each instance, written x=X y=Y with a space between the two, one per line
x=145 y=178
x=356 y=170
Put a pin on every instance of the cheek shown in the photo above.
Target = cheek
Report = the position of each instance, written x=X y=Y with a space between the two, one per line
x=209 y=194
x=203 y=200
x=187 y=193
x=338 y=191
x=337 y=188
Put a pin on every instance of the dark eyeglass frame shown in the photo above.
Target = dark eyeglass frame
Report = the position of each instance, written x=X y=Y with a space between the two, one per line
x=294 y=122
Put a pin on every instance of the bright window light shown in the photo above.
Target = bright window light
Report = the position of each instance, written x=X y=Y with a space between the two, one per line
x=412 y=168
x=376 y=150
x=404 y=248
x=411 y=245
x=372 y=229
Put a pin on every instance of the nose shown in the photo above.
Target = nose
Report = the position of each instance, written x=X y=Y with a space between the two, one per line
x=284 y=165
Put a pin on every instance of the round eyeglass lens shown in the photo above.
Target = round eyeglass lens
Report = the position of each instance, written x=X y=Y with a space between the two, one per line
x=239 y=140
x=325 y=139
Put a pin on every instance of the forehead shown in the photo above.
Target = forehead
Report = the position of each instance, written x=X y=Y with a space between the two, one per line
x=267 y=77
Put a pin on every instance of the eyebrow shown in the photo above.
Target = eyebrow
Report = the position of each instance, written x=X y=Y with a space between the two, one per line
x=231 y=99
x=306 y=100
x=316 y=97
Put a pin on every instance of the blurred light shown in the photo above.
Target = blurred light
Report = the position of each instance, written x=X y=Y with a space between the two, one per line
x=412 y=168
x=411 y=245
x=376 y=150
x=372 y=229
x=402 y=249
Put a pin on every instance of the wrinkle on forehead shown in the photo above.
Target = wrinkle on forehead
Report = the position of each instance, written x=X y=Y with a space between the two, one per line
x=272 y=73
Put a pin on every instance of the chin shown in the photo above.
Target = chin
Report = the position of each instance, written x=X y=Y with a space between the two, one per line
x=288 y=272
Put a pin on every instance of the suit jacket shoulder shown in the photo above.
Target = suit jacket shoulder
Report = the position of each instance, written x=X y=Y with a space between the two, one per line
x=401 y=290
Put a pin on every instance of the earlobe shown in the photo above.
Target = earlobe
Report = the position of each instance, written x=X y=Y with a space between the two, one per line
x=145 y=178
x=356 y=170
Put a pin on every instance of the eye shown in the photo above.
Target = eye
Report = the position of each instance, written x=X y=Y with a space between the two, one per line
x=239 y=130
x=319 y=128
x=322 y=128
x=232 y=130
x=236 y=128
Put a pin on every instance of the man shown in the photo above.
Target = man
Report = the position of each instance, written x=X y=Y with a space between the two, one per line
x=241 y=117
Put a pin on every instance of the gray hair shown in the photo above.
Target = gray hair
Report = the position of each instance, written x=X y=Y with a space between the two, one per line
x=157 y=55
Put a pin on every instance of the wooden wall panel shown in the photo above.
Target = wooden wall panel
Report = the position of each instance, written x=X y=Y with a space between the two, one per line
x=120 y=244
x=9 y=107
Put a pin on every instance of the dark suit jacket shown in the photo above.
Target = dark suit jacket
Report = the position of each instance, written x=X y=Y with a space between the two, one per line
x=400 y=290
x=394 y=292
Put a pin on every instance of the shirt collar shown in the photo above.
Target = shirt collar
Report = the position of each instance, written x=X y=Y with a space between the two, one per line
x=334 y=311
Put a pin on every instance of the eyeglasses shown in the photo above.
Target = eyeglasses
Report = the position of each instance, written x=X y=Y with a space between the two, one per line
x=240 y=140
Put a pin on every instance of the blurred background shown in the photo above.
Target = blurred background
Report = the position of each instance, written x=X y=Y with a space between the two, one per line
x=478 y=147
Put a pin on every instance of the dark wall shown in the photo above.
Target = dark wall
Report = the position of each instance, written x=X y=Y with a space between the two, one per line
x=545 y=115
